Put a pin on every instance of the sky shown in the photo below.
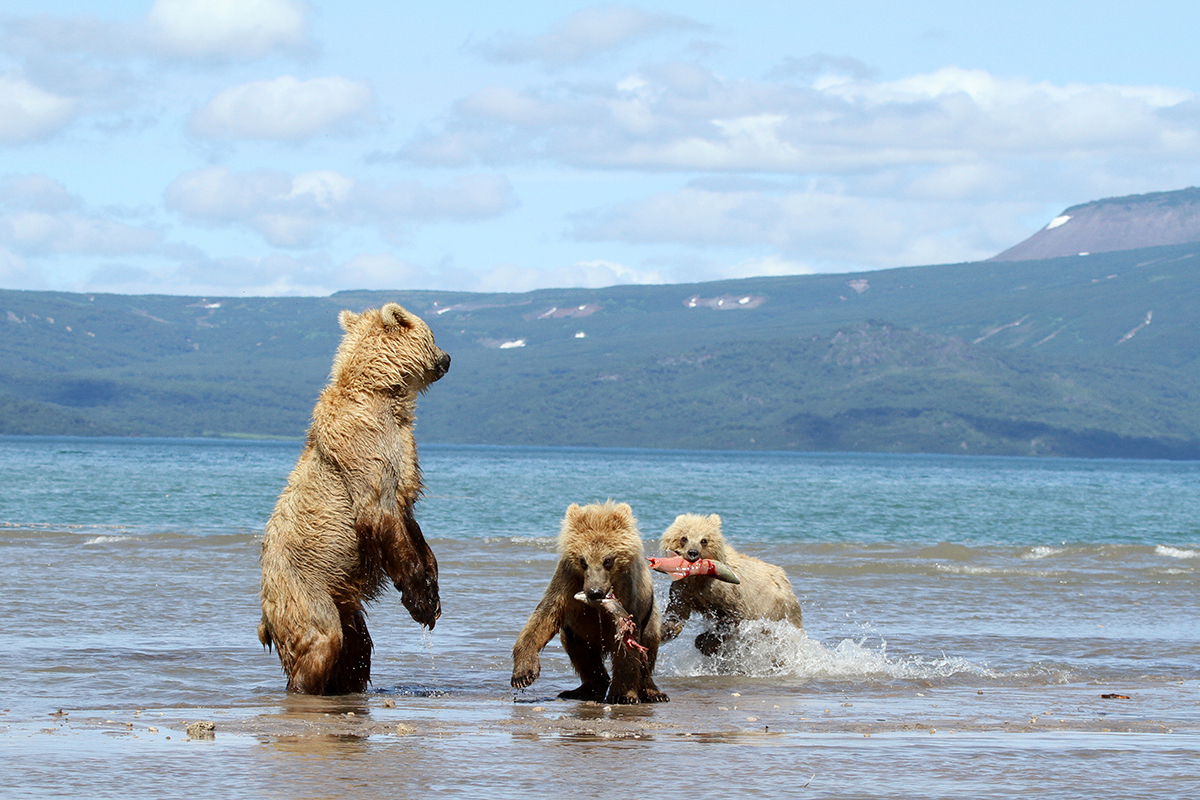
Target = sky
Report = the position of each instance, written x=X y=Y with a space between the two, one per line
x=278 y=147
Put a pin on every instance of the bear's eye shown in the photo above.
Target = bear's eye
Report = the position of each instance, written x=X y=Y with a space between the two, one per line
x=704 y=542
x=583 y=563
x=608 y=562
x=683 y=540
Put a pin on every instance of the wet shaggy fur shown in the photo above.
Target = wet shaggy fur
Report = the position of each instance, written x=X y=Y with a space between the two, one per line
x=343 y=528
x=600 y=553
x=764 y=593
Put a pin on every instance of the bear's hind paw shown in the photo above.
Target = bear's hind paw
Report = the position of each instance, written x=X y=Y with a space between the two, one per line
x=595 y=693
x=654 y=696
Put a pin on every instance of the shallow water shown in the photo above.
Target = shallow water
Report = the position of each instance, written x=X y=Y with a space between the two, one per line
x=964 y=619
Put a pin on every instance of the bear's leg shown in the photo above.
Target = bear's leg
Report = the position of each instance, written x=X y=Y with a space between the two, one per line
x=588 y=661
x=303 y=625
x=708 y=643
x=352 y=671
x=649 y=691
x=631 y=681
x=717 y=638
x=410 y=563
x=310 y=647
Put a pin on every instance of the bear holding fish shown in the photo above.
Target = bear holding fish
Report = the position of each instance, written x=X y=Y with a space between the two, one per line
x=717 y=582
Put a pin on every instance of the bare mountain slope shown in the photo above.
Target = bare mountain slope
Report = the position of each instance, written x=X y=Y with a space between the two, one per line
x=1117 y=223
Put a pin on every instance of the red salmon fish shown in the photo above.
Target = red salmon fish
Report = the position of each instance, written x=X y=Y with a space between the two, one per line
x=679 y=567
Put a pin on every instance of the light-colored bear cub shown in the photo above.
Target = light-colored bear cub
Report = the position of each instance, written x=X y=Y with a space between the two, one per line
x=764 y=592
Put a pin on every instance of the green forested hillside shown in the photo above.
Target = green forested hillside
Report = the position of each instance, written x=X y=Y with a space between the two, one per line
x=1089 y=355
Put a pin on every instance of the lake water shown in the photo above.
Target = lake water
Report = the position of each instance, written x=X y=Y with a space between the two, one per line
x=975 y=627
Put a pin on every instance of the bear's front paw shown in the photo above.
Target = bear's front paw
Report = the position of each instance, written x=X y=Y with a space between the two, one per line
x=522 y=677
x=671 y=629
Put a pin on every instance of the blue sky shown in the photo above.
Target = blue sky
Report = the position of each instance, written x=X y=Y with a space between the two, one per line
x=274 y=147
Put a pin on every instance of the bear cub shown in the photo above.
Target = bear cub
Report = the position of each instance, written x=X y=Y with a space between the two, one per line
x=764 y=592
x=600 y=556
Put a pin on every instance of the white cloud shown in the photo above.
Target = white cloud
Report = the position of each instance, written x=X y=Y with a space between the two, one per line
x=225 y=29
x=382 y=271
x=284 y=108
x=584 y=34
x=39 y=217
x=867 y=173
x=195 y=273
x=292 y=211
x=591 y=274
x=767 y=265
x=17 y=273
x=29 y=114
x=682 y=117
x=275 y=275
x=188 y=30
x=809 y=227
x=36 y=192
x=38 y=233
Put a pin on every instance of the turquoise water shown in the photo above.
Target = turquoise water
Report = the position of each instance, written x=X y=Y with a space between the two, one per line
x=202 y=486
x=963 y=616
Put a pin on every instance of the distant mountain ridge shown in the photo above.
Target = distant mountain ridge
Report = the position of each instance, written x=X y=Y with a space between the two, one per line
x=1115 y=223
x=1072 y=356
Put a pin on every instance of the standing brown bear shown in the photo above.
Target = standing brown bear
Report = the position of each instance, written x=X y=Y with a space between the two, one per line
x=764 y=591
x=601 y=560
x=344 y=525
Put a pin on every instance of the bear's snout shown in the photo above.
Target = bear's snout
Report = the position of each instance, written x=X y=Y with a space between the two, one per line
x=442 y=366
x=596 y=593
x=692 y=555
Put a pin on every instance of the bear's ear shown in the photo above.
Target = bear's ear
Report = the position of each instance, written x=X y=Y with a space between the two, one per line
x=394 y=316
x=346 y=319
x=716 y=518
x=573 y=512
x=624 y=512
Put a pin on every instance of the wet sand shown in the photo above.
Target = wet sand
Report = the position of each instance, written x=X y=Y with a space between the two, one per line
x=694 y=713
x=716 y=734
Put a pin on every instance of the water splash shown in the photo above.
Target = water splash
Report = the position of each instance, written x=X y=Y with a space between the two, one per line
x=764 y=648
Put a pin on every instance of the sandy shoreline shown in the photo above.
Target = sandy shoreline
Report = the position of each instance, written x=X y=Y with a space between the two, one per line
x=768 y=745
x=729 y=717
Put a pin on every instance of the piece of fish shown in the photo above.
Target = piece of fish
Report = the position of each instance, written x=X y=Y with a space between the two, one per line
x=626 y=626
x=679 y=567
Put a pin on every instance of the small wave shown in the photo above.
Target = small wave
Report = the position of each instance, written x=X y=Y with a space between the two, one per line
x=537 y=541
x=106 y=540
x=778 y=649
x=1043 y=551
x=955 y=569
x=1175 y=552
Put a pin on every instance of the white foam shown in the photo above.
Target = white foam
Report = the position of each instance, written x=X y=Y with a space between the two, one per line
x=107 y=539
x=1175 y=552
x=1043 y=552
x=538 y=541
x=965 y=569
x=777 y=648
